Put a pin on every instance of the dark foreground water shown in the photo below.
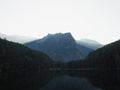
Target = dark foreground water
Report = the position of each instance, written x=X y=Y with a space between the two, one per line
x=78 y=80
x=69 y=83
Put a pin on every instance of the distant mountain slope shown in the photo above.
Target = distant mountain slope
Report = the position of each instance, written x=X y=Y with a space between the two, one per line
x=105 y=63
x=20 y=65
x=16 y=38
x=89 y=43
x=105 y=56
x=60 y=47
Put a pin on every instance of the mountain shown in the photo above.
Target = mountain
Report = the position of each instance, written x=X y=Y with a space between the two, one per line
x=60 y=47
x=89 y=43
x=16 y=38
x=103 y=65
x=106 y=56
x=20 y=67
x=107 y=61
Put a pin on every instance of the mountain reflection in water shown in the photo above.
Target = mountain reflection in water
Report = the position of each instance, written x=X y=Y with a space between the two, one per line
x=69 y=83
x=71 y=80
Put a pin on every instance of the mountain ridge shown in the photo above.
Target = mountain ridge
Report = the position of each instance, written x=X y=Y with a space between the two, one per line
x=90 y=43
x=60 y=47
x=17 y=38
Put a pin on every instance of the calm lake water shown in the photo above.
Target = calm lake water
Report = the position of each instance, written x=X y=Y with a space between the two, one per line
x=73 y=80
x=69 y=83
x=83 y=79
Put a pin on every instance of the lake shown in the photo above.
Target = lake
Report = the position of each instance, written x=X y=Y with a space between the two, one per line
x=68 y=83
x=69 y=79
x=79 y=79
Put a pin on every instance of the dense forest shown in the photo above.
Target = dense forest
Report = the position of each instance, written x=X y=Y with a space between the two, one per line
x=104 y=63
x=21 y=67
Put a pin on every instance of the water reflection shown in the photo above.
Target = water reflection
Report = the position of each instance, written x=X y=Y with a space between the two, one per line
x=71 y=80
x=79 y=80
x=69 y=83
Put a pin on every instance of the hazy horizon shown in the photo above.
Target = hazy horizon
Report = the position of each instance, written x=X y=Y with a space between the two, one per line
x=24 y=38
x=98 y=20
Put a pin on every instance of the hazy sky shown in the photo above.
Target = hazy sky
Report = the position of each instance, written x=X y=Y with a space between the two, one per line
x=94 y=19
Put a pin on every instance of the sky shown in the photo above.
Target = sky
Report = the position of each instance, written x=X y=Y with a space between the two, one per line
x=92 y=19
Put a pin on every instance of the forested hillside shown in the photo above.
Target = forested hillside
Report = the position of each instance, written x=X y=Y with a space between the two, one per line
x=20 y=66
x=103 y=64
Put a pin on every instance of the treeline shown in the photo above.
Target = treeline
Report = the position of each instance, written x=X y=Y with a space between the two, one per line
x=21 y=67
x=103 y=66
